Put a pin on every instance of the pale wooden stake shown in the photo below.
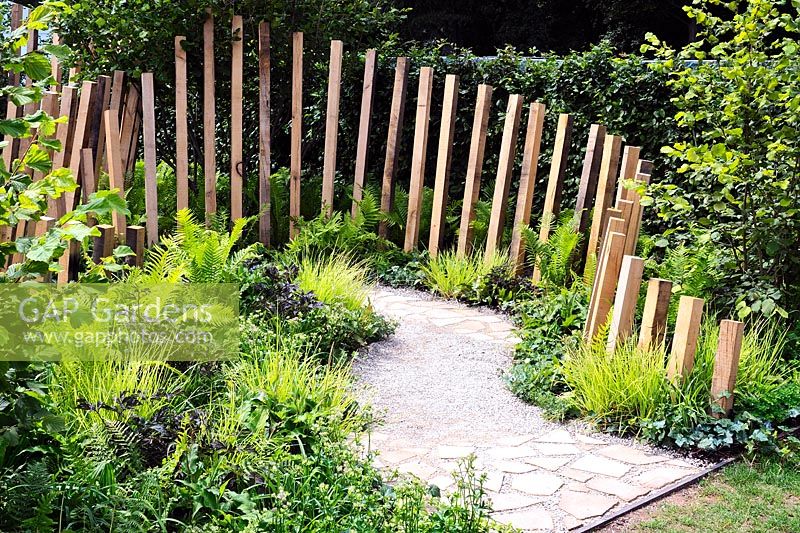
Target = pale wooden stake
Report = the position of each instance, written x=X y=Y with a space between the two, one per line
x=209 y=119
x=181 y=126
x=57 y=208
x=134 y=237
x=89 y=184
x=590 y=174
x=472 y=186
x=502 y=184
x=103 y=245
x=130 y=127
x=636 y=212
x=628 y=285
x=418 y=158
x=11 y=149
x=555 y=182
x=237 y=64
x=630 y=159
x=55 y=67
x=117 y=92
x=603 y=294
x=656 y=311
x=726 y=366
x=150 y=161
x=626 y=208
x=332 y=127
x=396 y=114
x=527 y=184
x=444 y=159
x=264 y=136
x=297 y=133
x=605 y=192
x=367 y=94
x=116 y=172
x=104 y=102
x=684 y=340
x=80 y=138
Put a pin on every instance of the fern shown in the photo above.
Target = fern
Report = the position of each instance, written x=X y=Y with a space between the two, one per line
x=554 y=257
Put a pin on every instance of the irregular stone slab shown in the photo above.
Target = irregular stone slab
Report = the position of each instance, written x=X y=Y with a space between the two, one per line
x=443 y=482
x=516 y=440
x=682 y=464
x=454 y=452
x=661 y=477
x=481 y=337
x=577 y=475
x=535 y=518
x=511 y=452
x=577 y=487
x=630 y=455
x=615 y=487
x=537 y=484
x=570 y=522
x=601 y=465
x=508 y=502
x=549 y=463
x=513 y=467
x=420 y=470
x=586 y=439
x=396 y=456
x=557 y=435
x=444 y=322
x=494 y=481
x=551 y=448
x=584 y=505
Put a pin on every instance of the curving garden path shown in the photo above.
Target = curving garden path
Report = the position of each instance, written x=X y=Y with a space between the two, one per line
x=437 y=387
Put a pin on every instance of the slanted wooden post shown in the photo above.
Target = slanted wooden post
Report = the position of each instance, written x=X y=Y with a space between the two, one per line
x=181 y=126
x=443 y=160
x=116 y=171
x=80 y=138
x=103 y=246
x=118 y=92
x=89 y=185
x=630 y=280
x=630 y=160
x=726 y=366
x=237 y=64
x=332 y=127
x=418 y=158
x=636 y=212
x=367 y=93
x=605 y=192
x=134 y=237
x=57 y=208
x=393 y=140
x=297 y=132
x=209 y=119
x=656 y=311
x=150 y=161
x=264 y=136
x=587 y=189
x=502 y=185
x=684 y=340
x=472 y=186
x=130 y=127
x=103 y=102
x=605 y=284
x=555 y=183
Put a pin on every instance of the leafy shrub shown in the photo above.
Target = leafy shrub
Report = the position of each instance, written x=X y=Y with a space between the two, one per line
x=266 y=288
x=499 y=287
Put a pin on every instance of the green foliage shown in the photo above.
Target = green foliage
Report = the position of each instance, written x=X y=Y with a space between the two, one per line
x=554 y=257
x=452 y=276
x=335 y=279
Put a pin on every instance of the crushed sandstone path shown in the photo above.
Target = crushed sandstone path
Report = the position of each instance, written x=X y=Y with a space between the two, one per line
x=437 y=387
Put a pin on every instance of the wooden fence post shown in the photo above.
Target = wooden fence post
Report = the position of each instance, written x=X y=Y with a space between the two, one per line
x=297 y=133
x=237 y=64
x=89 y=185
x=684 y=340
x=332 y=126
x=605 y=192
x=418 y=158
x=630 y=281
x=79 y=141
x=57 y=208
x=527 y=184
x=502 y=185
x=636 y=212
x=472 y=186
x=605 y=284
x=150 y=161
x=103 y=246
x=264 y=136
x=443 y=161
x=365 y=121
x=209 y=119
x=656 y=310
x=726 y=366
x=118 y=92
x=116 y=171
x=130 y=127
x=630 y=159
x=134 y=237
x=181 y=126
x=103 y=101
x=555 y=182
x=587 y=189
x=393 y=140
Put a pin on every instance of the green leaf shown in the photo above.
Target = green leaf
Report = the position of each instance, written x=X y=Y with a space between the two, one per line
x=15 y=128
x=36 y=65
x=79 y=231
x=37 y=159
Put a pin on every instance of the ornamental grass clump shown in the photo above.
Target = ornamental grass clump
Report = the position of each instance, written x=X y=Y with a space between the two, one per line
x=336 y=279
x=453 y=276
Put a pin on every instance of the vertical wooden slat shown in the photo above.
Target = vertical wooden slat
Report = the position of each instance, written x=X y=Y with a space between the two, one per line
x=472 y=186
x=607 y=277
x=656 y=311
x=15 y=18
x=502 y=184
x=684 y=340
x=134 y=237
x=209 y=119
x=57 y=207
x=89 y=181
x=116 y=171
x=237 y=64
x=590 y=174
x=367 y=94
x=264 y=136
x=297 y=132
x=418 y=158
x=444 y=159
x=117 y=92
x=150 y=161
x=11 y=149
x=80 y=137
x=726 y=365
x=103 y=102
x=130 y=127
x=636 y=212
x=527 y=184
x=605 y=192
x=628 y=285
x=630 y=160
x=103 y=245
x=181 y=126
x=396 y=114
x=626 y=208
x=332 y=126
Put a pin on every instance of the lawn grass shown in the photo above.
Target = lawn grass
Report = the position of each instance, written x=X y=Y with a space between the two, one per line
x=763 y=497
